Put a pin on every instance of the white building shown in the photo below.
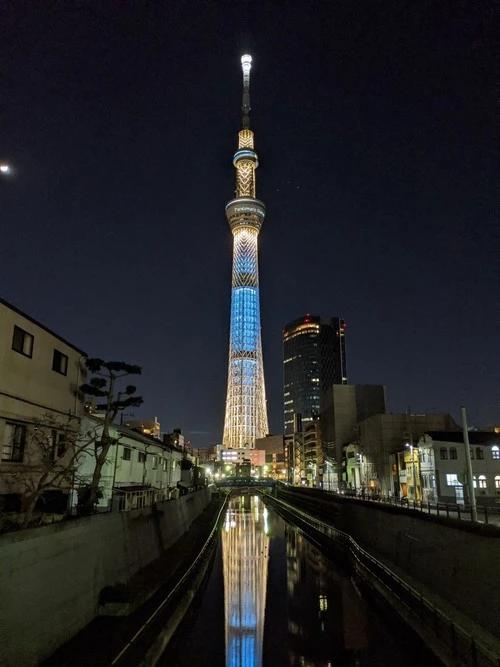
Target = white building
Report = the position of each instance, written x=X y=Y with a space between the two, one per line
x=40 y=373
x=137 y=464
x=443 y=467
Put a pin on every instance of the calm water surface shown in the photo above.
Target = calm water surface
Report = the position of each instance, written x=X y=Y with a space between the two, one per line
x=273 y=599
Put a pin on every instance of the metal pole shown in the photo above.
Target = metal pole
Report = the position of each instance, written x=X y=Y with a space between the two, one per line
x=472 y=496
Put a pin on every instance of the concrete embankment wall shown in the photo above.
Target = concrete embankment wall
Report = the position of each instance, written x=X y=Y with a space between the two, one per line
x=51 y=577
x=460 y=566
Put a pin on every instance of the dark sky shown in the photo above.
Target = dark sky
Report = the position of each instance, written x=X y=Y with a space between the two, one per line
x=377 y=131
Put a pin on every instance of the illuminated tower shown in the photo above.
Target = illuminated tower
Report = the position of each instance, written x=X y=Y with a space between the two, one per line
x=246 y=413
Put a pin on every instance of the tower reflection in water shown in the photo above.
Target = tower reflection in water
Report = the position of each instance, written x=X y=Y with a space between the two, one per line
x=326 y=622
x=245 y=553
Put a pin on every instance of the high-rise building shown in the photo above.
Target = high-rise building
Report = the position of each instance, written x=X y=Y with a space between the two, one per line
x=246 y=412
x=313 y=360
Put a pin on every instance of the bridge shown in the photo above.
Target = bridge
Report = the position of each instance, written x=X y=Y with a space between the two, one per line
x=246 y=482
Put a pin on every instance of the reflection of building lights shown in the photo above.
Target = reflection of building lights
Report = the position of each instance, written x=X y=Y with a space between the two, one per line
x=323 y=602
x=245 y=560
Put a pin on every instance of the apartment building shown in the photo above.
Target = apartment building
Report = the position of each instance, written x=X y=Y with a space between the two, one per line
x=40 y=373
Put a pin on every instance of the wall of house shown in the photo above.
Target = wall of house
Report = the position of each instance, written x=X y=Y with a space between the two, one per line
x=30 y=390
x=51 y=577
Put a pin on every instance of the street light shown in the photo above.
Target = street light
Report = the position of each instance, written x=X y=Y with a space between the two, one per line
x=5 y=168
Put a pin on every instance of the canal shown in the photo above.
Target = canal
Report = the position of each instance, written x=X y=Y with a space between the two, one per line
x=273 y=599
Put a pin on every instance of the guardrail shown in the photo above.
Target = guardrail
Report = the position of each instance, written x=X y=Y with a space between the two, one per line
x=485 y=513
x=182 y=595
x=459 y=642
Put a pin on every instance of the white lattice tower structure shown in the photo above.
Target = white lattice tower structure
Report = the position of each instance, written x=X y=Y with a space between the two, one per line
x=246 y=411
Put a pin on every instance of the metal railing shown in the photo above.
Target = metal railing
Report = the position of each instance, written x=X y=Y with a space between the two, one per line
x=460 y=642
x=180 y=596
x=485 y=513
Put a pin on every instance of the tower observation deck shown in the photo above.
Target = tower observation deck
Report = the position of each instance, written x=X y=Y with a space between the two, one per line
x=246 y=412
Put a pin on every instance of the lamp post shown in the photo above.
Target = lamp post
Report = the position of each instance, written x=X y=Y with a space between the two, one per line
x=472 y=495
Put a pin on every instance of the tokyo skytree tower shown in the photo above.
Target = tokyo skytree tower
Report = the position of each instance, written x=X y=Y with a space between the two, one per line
x=246 y=412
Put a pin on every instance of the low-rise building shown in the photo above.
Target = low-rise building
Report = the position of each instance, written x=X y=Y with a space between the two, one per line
x=145 y=426
x=443 y=466
x=273 y=447
x=136 y=463
x=40 y=373
x=382 y=436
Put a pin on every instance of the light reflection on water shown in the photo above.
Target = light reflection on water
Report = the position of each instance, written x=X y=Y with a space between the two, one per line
x=245 y=555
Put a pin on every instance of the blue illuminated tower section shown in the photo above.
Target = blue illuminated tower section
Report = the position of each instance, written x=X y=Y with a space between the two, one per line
x=246 y=412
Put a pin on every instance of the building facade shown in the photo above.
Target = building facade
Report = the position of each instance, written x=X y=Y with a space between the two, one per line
x=137 y=463
x=344 y=407
x=246 y=409
x=381 y=437
x=443 y=467
x=40 y=373
x=314 y=359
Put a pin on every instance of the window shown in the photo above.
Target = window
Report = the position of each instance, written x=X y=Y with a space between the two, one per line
x=482 y=482
x=479 y=453
x=58 y=445
x=452 y=480
x=165 y=465
x=471 y=452
x=155 y=462
x=141 y=457
x=453 y=452
x=495 y=453
x=443 y=453
x=497 y=481
x=60 y=362
x=14 y=440
x=22 y=342
x=126 y=453
x=474 y=481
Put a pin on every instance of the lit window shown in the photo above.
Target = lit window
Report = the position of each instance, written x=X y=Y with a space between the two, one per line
x=22 y=342
x=453 y=452
x=497 y=481
x=452 y=480
x=443 y=453
x=495 y=453
x=474 y=481
x=482 y=482
x=479 y=453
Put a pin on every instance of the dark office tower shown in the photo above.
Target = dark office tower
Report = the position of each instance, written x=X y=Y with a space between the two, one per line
x=313 y=360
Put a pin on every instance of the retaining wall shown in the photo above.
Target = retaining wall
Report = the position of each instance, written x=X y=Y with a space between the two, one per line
x=461 y=566
x=51 y=577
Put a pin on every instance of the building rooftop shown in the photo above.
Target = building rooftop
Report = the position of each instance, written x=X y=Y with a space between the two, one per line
x=42 y=326
x=475 y=437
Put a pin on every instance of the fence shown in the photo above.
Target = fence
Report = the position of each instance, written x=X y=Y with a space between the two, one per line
x=124 y=501
x=460 y=642
x=485 y=513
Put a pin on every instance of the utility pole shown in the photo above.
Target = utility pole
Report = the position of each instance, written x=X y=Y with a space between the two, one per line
x=472 y=495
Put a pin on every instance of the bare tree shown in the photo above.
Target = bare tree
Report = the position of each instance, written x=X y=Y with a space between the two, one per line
x=54 y=449
x=107 y=375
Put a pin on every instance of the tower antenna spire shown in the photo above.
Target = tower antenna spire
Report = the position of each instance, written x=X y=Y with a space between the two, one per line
x=246 y=64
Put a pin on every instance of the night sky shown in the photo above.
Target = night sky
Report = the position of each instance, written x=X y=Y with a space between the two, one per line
x=377 y=132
